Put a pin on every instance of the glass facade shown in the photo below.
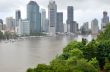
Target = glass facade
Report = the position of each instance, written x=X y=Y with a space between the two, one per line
x=34 y=16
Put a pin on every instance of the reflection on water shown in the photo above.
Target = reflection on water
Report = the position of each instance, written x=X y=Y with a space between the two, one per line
x=21 y=54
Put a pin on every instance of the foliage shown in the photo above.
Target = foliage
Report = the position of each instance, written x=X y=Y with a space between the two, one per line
x=72 y=45
x=104 y=35
x=84 y=41
x=90 y=50
x=81 y=56
x=103 y=51
x=38 y=34
x=107 y=65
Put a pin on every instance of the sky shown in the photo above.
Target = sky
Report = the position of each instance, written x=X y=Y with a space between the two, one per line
x=84 y=10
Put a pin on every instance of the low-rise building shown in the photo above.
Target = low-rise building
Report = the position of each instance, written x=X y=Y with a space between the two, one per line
x=23 y=28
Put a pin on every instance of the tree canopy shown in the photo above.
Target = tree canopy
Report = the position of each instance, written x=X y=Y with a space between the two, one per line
x=93 y=56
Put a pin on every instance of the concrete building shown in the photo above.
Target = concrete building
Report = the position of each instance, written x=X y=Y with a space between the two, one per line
x=23 y=28
x=65 y=28
x=94 y=27
x=59 y=25
x=104 y=20
x=70 y=17
x=11 y=23
x=34 y=16
x=73 y=27
x=43 y=20
x=18 y=16
x=85 y=28
x=0 y=26
x=47 y=26
x=52 y=16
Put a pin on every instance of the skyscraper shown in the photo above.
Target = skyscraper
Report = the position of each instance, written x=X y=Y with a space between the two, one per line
x=10 y=23
x=59 y=25
x=85 y=28
x=105 y=20
x=43 y=20
x=34 y=16
x=18 y=16
x=52 y=16
x=70 y=18
x=73 y=27
x=94 y=27
x=47 y=25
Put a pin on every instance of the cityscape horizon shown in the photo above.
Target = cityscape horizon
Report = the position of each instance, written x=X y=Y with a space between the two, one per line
x=79 y=19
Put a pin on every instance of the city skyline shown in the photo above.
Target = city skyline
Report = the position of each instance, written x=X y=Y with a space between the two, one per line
x=82 y=12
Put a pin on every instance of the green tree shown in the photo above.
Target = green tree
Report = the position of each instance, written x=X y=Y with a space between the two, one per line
x=84 y=41
x=90 y=50
x=103 y=51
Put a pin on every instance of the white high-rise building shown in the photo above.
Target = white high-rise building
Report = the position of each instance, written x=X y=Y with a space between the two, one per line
x=94 y=27
x=52 y=16
x=23 y=28
x=10 y=23
x=43 y=20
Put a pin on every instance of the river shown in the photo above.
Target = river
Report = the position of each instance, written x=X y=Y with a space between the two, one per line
x=18 y=55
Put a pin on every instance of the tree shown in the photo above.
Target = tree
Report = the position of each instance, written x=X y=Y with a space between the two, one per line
x=72 y=45
x=84 y=41
x=90 y=50
x=103 y=51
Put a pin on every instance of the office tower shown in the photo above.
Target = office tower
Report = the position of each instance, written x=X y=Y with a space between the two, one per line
x=105 y=20
x=94 y=27
x=18 y=16
x=59 y=25
x=47 y=25
x=43 y=20
x=73 y=27
x=70 y=16
x=10 y=23
x=1 y=24
x=65 y=28
x=34 y=16
x=52 y=16
x=85 y=28
x=23 y=28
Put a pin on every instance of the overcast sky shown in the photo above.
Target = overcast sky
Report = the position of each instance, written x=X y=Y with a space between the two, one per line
x=85 y=10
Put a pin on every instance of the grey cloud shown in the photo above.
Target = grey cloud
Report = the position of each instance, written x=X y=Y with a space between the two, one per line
x=79 y=5
x=6 y=5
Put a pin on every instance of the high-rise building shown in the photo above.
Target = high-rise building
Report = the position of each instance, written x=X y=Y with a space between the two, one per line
x=43 y=20
x=73 y=27
x=18 y=16
x=52 y=16
x=70 y=19
x=94 y=27
x=105 y=20
x=34 y=16
x=65 y=28
x=1 y=24
x=85 y=28
x=47 y=25
x=23 y=28
x=10 y=23
x=59 y=25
